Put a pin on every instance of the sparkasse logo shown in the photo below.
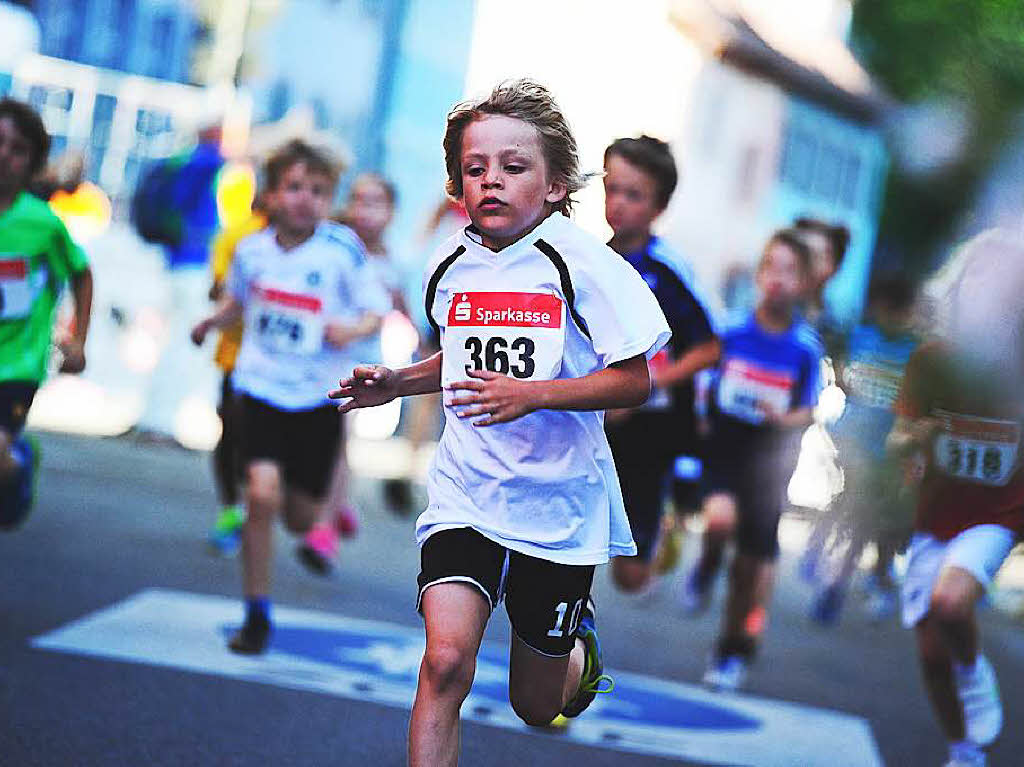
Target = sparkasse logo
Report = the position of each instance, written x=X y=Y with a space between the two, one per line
x=463 y=309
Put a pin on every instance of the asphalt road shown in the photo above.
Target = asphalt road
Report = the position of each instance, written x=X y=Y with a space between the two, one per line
x=117 y=517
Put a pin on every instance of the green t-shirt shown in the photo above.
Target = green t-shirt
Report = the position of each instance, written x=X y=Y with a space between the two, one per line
x=37 y=256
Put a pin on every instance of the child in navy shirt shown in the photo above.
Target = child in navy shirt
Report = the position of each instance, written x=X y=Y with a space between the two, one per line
x=759 y=399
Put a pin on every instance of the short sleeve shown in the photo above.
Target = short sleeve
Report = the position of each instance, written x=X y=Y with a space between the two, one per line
x=621 y=313
x=237 y=282
x=810 y=385
x=70 y=258
x=688 y=318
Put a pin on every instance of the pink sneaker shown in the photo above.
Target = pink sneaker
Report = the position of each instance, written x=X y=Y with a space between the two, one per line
x=346 y=522
x=319 y=548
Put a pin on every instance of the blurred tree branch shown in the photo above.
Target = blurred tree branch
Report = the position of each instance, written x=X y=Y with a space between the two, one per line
x=971 y=52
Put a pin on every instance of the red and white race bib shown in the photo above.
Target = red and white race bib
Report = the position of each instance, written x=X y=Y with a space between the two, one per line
x=747 y=390
x=521 y=335
x=286 y=322
x=16 y=292
x=981 y=450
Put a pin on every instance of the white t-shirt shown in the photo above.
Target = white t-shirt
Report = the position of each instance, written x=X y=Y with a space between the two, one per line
x=556 y=304
x=289 y=297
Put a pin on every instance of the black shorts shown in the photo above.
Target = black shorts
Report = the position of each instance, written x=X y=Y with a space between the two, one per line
x=757 y=478
x=543 y=599
x=303 y=442
x=15 y=400
x=645 y=447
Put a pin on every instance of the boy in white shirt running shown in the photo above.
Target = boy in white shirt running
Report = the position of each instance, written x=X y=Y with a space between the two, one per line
x=542 y=328
x=298 y=284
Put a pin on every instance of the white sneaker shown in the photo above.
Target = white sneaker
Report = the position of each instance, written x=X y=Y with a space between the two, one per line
x=965 y=754
x=726 y=674
x=979 y=696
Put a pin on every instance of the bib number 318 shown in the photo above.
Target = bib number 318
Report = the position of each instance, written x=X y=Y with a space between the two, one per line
x=499 y=355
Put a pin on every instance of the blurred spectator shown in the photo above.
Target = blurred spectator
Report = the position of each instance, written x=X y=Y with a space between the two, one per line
x=188 y=223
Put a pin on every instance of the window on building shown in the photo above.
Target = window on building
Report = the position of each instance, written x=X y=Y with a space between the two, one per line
x=799 y=156
x=161 y=46
x=828 y=172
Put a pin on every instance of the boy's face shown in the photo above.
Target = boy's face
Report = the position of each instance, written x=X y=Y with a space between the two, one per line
x=301 y=200
x=369 y=207
x=504 y=178
x=780 y=277
x=823 y=260
x=15 y=156
x=630 y=197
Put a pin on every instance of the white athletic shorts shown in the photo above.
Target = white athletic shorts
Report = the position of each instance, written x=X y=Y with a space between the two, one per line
x=980 y=550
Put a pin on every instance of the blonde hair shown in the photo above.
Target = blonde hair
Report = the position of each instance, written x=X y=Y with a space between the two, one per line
x=532 y=103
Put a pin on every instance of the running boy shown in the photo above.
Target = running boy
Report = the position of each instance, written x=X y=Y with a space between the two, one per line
x=294 y=282
x=961 y=405
x=37 y=256
x=542 y=327
x=874 y=502
x=761 y=397
x=226 y=535
x=640 y=176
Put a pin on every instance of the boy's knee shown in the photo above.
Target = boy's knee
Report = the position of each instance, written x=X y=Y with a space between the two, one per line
x=630 y=576
x=263 y=492
x=951 y=605
x=954 y=596
x=719 y=516
x=448 y=668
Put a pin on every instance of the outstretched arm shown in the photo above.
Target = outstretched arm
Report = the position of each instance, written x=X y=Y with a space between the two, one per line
x=372 y=385
x=228 y=312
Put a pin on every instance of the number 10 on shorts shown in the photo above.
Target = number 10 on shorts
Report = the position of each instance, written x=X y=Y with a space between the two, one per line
x=574 y=618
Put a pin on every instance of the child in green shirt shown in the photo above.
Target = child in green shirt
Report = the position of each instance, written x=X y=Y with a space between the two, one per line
x=37 y=256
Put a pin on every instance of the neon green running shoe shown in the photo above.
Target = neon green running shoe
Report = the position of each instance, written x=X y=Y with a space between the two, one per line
x=593 y=681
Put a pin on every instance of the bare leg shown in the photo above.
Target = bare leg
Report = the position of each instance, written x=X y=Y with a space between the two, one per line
x=301 y=511
x=937 y=670
x=263 y=500
x=748 y=577
x=953 y=601
x=455 y=615
x=539 y=686
x=720 y=516
x=8 y=466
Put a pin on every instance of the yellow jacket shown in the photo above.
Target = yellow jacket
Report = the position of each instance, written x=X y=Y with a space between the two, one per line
x=222 y=253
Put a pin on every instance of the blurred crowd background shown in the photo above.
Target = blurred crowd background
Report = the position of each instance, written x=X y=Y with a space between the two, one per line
x=901 y=121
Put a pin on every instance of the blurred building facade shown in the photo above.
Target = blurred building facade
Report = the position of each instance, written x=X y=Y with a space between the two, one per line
x=767 y=110
x=154 y=38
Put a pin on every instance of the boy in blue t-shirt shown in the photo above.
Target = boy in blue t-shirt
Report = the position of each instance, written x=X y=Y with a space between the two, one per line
x=640 y=176
x=759 y=398
x=871 y=371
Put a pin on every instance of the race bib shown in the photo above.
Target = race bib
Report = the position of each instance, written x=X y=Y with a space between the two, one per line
x=287 y=322
x=747 y=390
x=981 y=450
x=16 y=292
x=521 y=335
x=661 y=398
x=873 y=385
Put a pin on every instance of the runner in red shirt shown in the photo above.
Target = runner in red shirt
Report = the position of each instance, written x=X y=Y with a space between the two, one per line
x=961 y=407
